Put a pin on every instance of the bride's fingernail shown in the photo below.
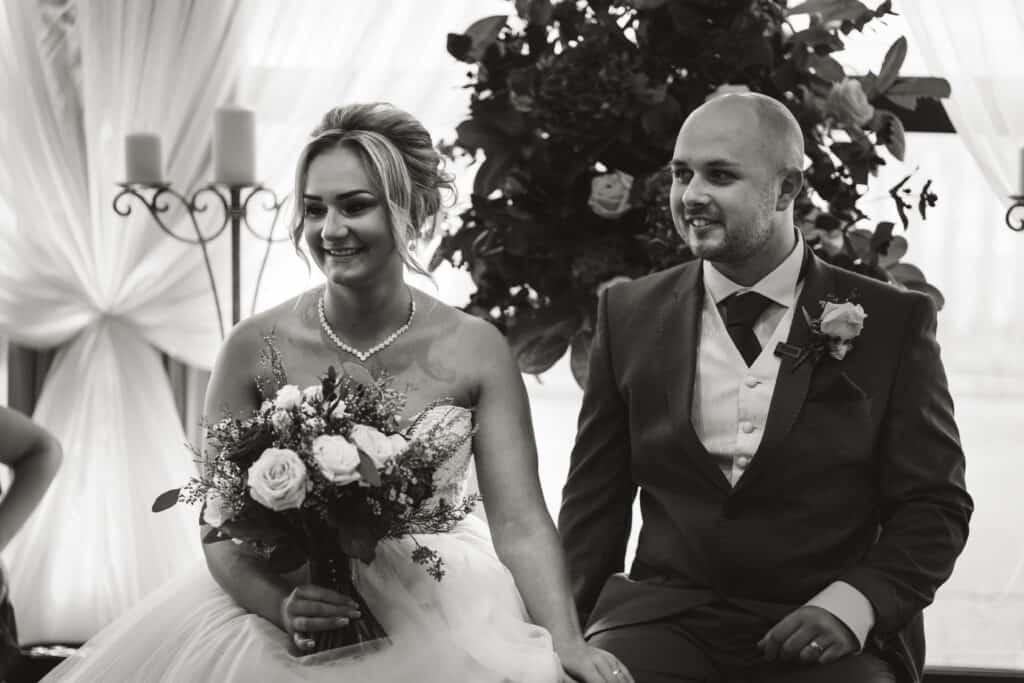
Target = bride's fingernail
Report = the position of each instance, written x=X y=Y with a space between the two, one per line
x=341 y=621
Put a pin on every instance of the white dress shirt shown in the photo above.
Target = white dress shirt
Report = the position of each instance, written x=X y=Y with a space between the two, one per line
x=731 y=401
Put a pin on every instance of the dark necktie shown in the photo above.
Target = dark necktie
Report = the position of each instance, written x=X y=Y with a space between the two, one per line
x=741 y=313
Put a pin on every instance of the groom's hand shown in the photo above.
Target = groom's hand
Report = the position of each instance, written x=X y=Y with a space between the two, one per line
x=791 y=639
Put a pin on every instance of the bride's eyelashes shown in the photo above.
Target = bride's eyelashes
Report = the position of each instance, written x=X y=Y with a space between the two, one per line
x=317 y=211
x=314 y=211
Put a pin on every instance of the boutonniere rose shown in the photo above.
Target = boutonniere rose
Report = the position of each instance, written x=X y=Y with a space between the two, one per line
x=841 y=323
x=835 y=329
x=833 y=332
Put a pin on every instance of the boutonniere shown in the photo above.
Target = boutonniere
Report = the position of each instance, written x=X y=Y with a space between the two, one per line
x=832 y=332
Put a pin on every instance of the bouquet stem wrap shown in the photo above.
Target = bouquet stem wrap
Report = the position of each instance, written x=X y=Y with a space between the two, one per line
x=332 y=569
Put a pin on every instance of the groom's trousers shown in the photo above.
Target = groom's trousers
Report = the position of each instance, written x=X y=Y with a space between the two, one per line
x=717 y=644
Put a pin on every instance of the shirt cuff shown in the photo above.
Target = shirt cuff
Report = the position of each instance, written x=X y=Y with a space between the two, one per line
x=848 y=605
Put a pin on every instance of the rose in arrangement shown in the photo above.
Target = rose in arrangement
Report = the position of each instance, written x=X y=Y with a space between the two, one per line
x=337 y=457
x=609 y=194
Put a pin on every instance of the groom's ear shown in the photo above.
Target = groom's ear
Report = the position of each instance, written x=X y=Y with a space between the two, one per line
x=789 y=188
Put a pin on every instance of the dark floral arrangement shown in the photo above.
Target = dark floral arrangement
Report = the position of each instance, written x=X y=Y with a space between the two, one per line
x=574 y=109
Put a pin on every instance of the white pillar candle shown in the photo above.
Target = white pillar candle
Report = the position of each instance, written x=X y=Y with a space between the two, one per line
x=234 y=146
x=143 y=161
x=1021 y=178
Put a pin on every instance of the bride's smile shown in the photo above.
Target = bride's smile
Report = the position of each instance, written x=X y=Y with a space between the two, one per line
x=345 y=225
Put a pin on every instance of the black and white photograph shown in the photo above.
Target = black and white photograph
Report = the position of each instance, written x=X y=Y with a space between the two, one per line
x=511 y=341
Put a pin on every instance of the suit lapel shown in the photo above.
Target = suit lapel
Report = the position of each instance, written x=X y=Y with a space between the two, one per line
x=792 y=383
x=679 y=335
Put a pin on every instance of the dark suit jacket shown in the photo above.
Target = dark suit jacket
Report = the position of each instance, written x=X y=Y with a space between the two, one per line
x=859 y=476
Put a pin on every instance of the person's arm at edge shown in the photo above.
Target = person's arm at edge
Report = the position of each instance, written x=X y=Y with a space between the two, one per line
x=34 y=455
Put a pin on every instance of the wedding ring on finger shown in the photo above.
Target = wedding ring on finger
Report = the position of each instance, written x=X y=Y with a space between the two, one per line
x=816 y=647
x=303 y=641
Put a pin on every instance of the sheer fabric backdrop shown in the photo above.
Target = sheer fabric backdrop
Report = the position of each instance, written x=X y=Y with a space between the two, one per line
x=109 y=291
x=977 y=50
x=966 y=249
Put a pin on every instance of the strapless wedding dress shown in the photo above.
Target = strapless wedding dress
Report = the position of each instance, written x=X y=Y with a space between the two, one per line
x=469 y=627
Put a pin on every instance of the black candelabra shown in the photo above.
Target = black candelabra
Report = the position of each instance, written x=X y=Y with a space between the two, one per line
x=234 y=200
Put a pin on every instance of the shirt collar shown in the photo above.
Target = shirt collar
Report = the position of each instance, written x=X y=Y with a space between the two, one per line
x=778 y=285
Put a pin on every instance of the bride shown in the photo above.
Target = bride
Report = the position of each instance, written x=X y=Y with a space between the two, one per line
x=367 y=184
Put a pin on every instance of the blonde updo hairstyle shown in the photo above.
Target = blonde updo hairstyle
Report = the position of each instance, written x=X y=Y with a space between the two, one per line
x=400 y=159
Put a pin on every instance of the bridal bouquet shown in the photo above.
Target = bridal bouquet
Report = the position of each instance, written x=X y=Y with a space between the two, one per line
x=321 y=475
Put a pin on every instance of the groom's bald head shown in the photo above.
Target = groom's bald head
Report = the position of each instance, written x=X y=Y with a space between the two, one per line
x=762 y=121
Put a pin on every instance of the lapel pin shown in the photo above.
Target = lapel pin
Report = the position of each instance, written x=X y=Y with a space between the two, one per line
x=784 y=350
x=797 y=354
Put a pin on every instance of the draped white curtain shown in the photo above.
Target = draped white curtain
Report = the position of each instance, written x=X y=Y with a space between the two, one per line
x=110 y=292
x=976 y=47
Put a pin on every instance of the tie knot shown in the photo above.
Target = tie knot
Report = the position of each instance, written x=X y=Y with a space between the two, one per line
x=744 y=309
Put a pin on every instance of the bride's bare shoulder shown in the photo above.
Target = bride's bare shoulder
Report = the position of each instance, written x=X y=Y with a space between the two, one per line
x=285 y=323
x=466 y=337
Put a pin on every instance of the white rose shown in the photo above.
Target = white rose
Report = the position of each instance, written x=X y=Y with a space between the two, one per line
x=843 y=321
x=379 y=447
x=848 y=102
x=313 y=393
x=281 y=421
x=338 y=459
x=339 y=410
x=278 y=479
x=609 y=194
x=216 y=511
x=726 y=89
x=288 y=397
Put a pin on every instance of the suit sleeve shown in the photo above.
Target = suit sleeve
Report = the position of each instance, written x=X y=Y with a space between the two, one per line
x=925 y=507
x=597 y=499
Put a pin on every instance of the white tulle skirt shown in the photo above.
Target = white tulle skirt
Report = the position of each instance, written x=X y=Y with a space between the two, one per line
x=471 y=626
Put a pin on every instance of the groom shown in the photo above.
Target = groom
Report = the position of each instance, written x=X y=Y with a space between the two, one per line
x=802 y=496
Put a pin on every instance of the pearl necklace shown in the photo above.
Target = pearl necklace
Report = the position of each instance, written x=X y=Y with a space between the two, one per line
x=363 y=355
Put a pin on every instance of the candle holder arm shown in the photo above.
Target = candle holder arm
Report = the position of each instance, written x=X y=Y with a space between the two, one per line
x=157 y=205
x=1015 y=214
